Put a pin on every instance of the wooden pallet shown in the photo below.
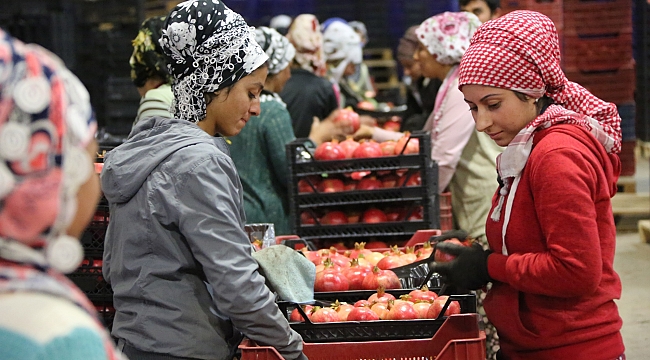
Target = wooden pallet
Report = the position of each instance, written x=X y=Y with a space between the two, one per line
x=637 y=204
x=626 y=184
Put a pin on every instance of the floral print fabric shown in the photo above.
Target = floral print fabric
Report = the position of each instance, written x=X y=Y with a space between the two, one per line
x=208 y=47
x=277 y=47
x=447 y=35
x=148 y=60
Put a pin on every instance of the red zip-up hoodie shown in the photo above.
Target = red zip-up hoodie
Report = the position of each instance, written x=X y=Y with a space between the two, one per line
x=553 y=294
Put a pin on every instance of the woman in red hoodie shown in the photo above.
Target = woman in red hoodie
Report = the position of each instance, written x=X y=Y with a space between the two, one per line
x=551 y=230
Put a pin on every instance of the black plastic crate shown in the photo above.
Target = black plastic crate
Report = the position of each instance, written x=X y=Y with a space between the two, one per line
x=88 y=277
x=303 y=165
x=92 y=240
x=105 y=313
x=350 y=331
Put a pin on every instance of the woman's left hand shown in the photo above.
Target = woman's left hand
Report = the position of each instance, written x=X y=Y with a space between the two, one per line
x=469 y=270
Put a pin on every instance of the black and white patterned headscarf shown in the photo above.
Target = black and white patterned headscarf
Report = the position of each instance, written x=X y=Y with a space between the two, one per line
x=277 y=47
x=209 y=47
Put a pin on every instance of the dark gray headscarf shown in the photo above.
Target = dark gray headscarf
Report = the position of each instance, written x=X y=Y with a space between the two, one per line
x=277 y=47
x=209 y=47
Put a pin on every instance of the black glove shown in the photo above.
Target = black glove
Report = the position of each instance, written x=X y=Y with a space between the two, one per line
x=469 y=269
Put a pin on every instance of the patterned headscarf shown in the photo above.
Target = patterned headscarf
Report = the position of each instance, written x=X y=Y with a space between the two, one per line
x=208 y=47
x=447 y=35
x=520 y=51
x=306 y=37
x=148 y=60
x=46 y=122
x=277 y=47
x=341 y=42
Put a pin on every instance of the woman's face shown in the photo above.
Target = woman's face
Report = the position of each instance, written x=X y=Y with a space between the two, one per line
x=499 y=112
x=229 y=111
x=429 y=66
x=411 y=68
x=87 y=197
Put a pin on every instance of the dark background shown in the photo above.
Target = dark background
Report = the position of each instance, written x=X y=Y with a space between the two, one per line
x=93 y=38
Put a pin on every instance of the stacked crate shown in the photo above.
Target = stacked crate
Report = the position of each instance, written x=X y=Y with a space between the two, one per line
x=308 y=208
x=597 y=53
x=551 y=8
x=642 y=34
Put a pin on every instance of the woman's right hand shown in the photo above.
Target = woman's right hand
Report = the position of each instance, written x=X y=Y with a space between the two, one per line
x=328 y=129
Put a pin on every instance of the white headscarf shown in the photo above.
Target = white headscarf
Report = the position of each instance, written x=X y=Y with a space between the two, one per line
x=341 y=42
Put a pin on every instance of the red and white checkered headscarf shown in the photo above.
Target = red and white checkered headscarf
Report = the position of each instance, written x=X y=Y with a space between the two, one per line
x=520 y=51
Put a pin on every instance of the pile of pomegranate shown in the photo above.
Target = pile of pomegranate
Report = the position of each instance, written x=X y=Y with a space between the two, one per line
x=371 y=215
x=360 y=180
x=418 y=304
x=361 y=268
x=351 y=149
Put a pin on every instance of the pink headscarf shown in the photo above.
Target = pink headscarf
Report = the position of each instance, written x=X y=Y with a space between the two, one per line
x=447 y=35
x=306 y=37
x=520 y=51
x=46 y=122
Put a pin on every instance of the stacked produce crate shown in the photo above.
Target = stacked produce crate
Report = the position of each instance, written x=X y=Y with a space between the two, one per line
x=88 y=277
x=642 y=34
x=322 y=209
x=598 y=55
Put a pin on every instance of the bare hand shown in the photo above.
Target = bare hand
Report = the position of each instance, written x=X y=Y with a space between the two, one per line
x=364 y=132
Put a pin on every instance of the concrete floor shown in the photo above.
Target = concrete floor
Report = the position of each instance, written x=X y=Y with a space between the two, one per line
x=632 y=263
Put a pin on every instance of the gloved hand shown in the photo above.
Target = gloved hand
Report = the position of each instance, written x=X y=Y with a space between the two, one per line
x=469 y=269
x=452 y=234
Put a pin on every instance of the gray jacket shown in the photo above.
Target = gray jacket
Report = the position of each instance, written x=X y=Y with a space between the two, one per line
x=177 y=219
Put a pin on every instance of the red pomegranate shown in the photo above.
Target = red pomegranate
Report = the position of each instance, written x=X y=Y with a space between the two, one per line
x=378 y=277
x=367 y=149
x=407 y=145
x=373 y=215
x=348 y=146
x=362 y=314
x=329 y=150
x=369 y=183
x=331 y=185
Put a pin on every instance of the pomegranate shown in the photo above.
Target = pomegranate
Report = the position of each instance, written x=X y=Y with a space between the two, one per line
x=348 y=146
x=355 y=274
x=305 y=185
x=348 y=117
x=391 y=126
x=423 y=294
x=359 y=248
x=314 y=256
x=381 y=309
x=426 y=250
x=353 y=217
x=338 y=259
x=343 y=309
x=324 y=314
x=331 y=279
x=297 y=317
x=306 y=218
x=374 y=257
x=416 y=214
x=439 y=303
x=378 y=277
x=409 y=255
x=380 y=296
x=390 y=262
x=358 y=175
x=407 y=145
x=388 y=148
x=422 y=308
x=330 y=150
x=402 y=310
x=362 y=303
x=373 y=215
x=412 y=179
x=369 y=183
x=331 y=185
x=334 y=218
x=362 y=314
x=396 y=214
x=442 y=257
x=367 y=149
x=337 y=244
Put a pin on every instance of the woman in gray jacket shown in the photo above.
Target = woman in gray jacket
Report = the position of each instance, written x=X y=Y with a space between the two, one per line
x=177 y=217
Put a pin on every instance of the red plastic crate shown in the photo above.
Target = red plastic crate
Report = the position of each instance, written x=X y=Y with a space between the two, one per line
x=551 y=8
x=596 y=53
x=458 y=338
x=597 y=17
x=615 y=86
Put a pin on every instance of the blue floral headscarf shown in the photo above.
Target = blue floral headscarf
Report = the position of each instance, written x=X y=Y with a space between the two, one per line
x=209 y=47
